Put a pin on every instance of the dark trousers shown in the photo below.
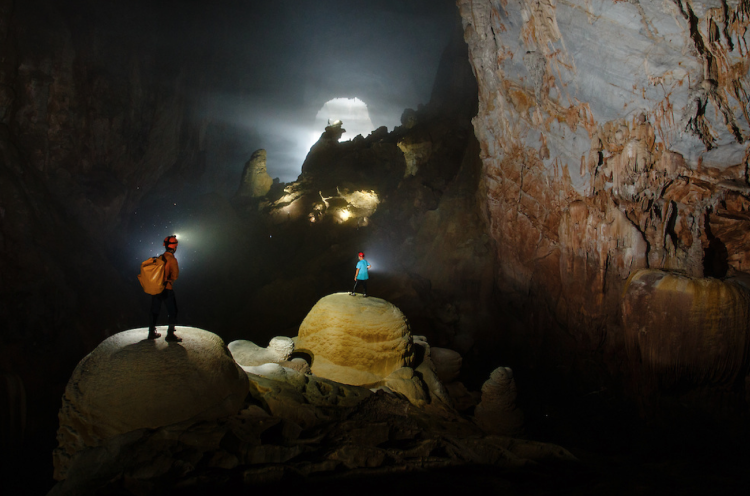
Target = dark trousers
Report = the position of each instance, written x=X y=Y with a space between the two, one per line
x=166 y=297
x=360 y=282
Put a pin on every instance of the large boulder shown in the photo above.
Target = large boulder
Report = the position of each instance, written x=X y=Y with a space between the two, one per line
x=356 y=340
x=129 y=382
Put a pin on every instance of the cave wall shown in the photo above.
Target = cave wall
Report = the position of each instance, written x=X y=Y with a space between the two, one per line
x=613 y=140
x=88 y=126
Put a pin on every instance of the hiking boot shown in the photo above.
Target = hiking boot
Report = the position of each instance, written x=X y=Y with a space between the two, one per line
x=152 y=334
x=171 y=336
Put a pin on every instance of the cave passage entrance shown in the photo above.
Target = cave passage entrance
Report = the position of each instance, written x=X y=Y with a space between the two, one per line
x=351 y=111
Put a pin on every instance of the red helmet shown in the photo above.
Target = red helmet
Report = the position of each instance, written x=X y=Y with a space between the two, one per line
x=361 y=254
x=170 y=242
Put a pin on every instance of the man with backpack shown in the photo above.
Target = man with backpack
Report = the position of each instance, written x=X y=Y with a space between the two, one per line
x=171 y=272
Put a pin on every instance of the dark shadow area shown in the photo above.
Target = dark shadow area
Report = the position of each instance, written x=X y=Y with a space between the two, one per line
x=715 y=259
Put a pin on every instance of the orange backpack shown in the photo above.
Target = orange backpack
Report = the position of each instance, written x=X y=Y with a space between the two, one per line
x=152 y=275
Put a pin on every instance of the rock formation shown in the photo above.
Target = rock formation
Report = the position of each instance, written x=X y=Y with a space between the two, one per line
x=255 y=180
x=279 y=352
x=682 y=328
x=297 y=427
x=415 y=154
x=129 y=383
x=426 y=370
x=148 y=416
x=356 y=340
x=447 y=363
x=247 y=353
x=613 y=139
x=497 y=412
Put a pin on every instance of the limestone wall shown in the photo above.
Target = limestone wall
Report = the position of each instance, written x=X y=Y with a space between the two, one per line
x=613 y=139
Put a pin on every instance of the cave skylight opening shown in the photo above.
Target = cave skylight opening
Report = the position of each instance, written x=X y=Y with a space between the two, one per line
x=351 y=111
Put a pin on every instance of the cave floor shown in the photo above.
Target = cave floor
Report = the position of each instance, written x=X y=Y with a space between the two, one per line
x=659 y=471
x=597 y=475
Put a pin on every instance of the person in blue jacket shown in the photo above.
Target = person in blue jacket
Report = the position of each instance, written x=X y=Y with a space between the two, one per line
x=361 y=275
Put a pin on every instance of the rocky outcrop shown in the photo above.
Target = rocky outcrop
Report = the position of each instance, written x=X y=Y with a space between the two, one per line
x=613 y=139
x=356 y=340
x=130 y=382
x=497 y=411
x=255 y=180
x=294 y=427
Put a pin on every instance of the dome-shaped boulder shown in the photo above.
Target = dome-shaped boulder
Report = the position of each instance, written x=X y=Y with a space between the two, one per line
x=129 y=382
x=356 y=340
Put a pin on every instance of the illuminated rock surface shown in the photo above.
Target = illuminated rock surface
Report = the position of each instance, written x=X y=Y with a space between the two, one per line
x=129 y=383
x=356 y=340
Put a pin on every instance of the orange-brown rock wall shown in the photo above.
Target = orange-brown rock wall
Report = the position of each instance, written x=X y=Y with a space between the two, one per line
x=613 y=139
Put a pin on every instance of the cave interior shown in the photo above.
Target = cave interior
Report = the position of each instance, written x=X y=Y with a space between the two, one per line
x=554 y=199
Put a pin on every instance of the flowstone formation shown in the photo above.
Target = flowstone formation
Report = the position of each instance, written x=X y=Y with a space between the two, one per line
x=279 y=352
x=613 y=139
x=356 y=340
x=146 y=417
x=681 y=327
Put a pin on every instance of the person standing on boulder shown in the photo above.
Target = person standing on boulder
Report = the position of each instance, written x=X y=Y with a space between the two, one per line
x=361 y=275
x=171 y=272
